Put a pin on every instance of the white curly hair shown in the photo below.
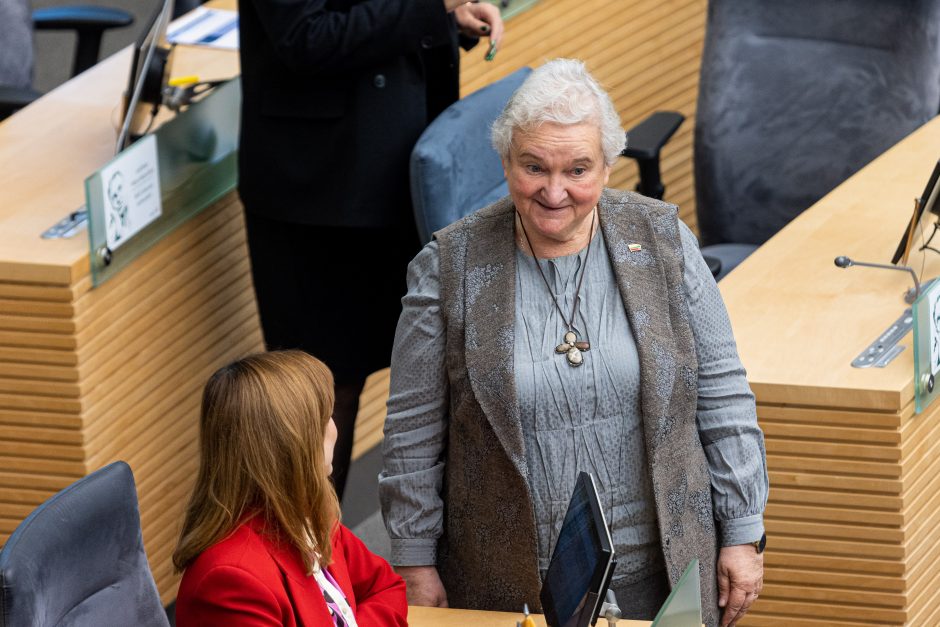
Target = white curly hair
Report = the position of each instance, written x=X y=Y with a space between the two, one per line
x=564 y=92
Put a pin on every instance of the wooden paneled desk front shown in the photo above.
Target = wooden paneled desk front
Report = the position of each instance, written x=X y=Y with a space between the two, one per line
x=853 y=522
x=87 y=375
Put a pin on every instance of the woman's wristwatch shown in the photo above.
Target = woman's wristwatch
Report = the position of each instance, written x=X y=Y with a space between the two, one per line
x=760 y=545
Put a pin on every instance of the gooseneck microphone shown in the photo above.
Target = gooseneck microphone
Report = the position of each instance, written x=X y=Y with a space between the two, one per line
x=909 y=297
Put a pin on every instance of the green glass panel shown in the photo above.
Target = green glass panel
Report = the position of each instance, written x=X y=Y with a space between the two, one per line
x=683 y=608
x=926 y=346
x=514 y=7
x=197 y=154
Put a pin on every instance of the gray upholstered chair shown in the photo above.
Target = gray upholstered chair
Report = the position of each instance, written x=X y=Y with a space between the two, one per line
x=78 y=560
x=797 y=95
x=16 y=43
x=455 y=170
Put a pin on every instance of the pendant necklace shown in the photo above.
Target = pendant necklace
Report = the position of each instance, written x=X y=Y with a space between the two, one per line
x=571 y=347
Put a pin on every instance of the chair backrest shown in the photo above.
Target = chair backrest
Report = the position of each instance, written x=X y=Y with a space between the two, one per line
x=78 y=559
x=16 y=44
x=797 y=95
x=454 y=168
x=182 y=7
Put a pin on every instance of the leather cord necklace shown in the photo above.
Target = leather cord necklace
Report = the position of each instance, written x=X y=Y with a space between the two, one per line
x=571 y=347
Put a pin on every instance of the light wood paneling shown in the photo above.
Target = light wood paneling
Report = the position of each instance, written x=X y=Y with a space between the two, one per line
x=371 y=418
x=88 y=376
x=124 y=381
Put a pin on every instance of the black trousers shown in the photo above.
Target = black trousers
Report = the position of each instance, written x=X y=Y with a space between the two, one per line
x=334 y=292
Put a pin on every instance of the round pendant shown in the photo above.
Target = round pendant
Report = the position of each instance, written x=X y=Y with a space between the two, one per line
x=575 y=358
x=571 y=337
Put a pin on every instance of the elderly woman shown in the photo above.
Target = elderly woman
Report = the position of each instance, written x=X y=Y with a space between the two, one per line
x=569 y=327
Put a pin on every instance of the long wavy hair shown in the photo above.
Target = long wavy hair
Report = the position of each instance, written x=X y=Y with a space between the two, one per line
x=261 y=454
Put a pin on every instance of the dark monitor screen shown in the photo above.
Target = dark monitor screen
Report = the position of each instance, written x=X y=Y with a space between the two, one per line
x=926 y=203
x=582 y=561
x=147 y=76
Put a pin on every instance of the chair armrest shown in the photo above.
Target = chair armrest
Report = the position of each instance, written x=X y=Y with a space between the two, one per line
x=88 y=22
x=713 y=263
x=80 y=18
x=644 y=142
x=13 y=98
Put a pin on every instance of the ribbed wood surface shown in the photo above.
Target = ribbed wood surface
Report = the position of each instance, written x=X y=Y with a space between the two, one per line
x=371 y=418
x=646 y=53
x=839 y=515
x=91 y=376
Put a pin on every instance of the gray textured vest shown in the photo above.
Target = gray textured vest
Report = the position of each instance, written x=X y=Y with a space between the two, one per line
x=488 y=555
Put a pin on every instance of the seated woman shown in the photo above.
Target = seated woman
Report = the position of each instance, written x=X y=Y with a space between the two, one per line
x=261 y=543
x=569 y=327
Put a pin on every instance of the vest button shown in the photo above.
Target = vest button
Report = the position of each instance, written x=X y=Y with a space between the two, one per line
x=426 y=42
x=379 y=81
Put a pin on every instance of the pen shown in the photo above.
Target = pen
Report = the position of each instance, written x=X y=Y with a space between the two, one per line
x=489 y=57
x=527 y=620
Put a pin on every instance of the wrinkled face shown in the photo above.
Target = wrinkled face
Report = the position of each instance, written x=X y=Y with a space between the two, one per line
x=329 y=442
x=556 y=174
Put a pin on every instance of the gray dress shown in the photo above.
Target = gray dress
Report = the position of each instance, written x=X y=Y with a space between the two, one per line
x=573 y=419
x=585 y=418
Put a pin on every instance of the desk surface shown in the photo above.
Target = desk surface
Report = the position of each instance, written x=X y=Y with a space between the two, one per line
x=853 y=519
x=438 y=617
x=799 y=320
x=45 y=156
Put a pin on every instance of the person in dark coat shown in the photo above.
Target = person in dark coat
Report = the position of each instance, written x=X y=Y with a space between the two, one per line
x=335 y=93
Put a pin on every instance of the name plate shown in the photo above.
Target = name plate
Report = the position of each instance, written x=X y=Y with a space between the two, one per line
x=162 y=180
x=130 y=186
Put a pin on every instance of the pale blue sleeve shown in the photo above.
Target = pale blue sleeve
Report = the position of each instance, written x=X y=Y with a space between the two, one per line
x=727 y=415
x=416 y=425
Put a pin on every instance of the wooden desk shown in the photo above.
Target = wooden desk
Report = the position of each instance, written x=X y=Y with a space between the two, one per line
x=89 y=376
x=852 y=523
x=438 y=617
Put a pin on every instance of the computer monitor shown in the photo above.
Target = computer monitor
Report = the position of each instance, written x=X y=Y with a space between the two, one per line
x=926 y=203
x=582 y=561
x=148 y=76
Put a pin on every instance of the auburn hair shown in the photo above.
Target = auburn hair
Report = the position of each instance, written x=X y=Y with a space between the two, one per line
x=261 y=435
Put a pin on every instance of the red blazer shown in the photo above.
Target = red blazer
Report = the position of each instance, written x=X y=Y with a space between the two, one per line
x=247 y=579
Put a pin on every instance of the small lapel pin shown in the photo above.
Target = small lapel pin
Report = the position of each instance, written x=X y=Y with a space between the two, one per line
x=634 y=248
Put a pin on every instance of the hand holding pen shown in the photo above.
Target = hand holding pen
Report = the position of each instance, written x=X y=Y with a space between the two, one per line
x=481 y=19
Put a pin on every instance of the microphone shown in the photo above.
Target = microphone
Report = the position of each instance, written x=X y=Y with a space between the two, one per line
x=909 y=296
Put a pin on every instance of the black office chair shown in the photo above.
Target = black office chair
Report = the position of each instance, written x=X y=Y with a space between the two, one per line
x=797 y=95
x=78 y=560
x=88 y=22
x=455 y=170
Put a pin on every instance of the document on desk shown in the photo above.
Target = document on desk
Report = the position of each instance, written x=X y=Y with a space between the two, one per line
x=215 y=28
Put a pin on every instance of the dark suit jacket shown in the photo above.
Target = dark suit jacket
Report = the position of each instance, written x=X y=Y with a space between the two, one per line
x=335 y=94
x=248 y=579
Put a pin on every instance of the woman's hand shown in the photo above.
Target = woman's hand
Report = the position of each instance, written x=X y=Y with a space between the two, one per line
x=740 y=580
x=480 y=19
x=423 y=585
